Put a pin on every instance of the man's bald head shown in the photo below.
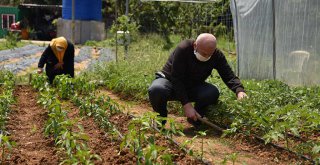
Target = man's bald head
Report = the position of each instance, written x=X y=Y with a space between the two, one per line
x=205 y=44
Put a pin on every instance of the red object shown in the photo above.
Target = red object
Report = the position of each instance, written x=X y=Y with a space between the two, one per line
x=53 y=34
x=15 y=26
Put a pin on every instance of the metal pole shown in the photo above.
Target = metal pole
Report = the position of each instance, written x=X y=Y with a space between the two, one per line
x=116 y=13
x=125 y=33
x=274 y=40
x=106 y=20
x=73 y=22
x=127 y=7
x=237 y=37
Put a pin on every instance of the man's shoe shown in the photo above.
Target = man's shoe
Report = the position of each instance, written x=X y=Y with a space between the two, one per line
x=196 y=124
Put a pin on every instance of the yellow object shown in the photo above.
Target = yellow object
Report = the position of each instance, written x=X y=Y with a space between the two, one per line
x=59 y=42
x=95 y=53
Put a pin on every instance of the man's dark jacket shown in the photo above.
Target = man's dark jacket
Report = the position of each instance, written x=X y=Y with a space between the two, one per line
x=51 y=60
x=185 y=71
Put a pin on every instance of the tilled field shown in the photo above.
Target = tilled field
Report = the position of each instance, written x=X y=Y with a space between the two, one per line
x=27 y=123
x=20 y=59
x=27 y=120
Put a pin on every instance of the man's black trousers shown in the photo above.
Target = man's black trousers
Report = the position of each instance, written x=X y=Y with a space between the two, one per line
x=161 y=91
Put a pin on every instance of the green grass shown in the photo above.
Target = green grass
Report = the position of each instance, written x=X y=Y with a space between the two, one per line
x=104 y=43
x=4 y=45
x=133 y=76
x=226 y=45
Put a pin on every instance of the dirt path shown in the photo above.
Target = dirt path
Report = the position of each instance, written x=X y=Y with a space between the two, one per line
x=26 y=126
x=216 y=149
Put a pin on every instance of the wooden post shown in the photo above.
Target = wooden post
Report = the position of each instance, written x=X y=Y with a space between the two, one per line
x=30 y=78
x=205 y=121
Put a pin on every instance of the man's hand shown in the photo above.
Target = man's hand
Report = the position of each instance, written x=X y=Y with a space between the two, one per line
x=40 y=70
x=190 y=112
x=241 y=95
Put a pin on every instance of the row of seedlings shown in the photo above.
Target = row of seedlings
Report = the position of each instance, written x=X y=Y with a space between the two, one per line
x=284 y=117
x=71 y=141
x=141 y=137
x=6 y=99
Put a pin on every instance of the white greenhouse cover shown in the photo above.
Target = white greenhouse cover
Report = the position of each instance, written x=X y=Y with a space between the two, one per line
x=278 y=39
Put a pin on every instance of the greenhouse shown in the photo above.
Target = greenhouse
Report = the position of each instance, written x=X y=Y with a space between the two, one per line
x=278 y=39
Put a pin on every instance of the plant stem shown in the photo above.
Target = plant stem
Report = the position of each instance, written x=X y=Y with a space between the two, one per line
x=2 y=156
x=202 y=148
x=139 y=139
x=287 y=140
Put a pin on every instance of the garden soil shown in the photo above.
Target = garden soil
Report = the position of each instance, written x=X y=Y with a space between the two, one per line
x=100 y=142
x=122 y=121
x=216 y=149
x=108 y=147
x=26 y=126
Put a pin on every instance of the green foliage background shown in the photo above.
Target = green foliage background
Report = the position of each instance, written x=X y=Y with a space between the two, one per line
x=186 y=19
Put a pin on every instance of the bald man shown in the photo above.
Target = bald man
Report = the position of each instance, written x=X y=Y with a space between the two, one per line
x=183 y=78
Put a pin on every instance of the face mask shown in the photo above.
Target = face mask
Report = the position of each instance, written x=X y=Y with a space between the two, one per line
x=59 y=49
x=201 y=58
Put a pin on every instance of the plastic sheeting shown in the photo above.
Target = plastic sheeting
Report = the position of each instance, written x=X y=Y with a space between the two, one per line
x=191 y=1
x=278 y=39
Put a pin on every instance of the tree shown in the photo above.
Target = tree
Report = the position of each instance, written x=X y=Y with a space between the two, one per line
x=185 y=19
x=43 y=2
x=10 y=2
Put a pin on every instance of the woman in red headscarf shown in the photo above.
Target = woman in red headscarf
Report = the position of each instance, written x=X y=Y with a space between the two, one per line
x=58 y=57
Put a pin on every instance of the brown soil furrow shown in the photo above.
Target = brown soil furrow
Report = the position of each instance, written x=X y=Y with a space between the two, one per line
x=107 y=146
x=26 y=126
x=122 y=121
x=100 y=142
